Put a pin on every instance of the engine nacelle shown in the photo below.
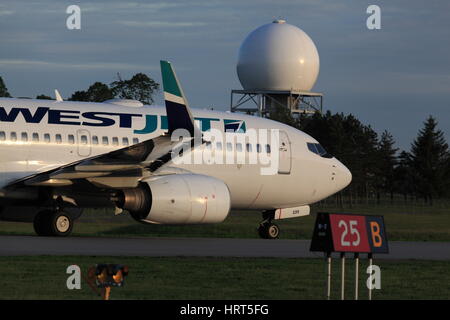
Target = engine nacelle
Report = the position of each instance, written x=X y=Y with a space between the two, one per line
x=178 y=199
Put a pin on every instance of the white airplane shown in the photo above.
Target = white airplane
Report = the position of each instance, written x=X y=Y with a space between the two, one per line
x=58 y=157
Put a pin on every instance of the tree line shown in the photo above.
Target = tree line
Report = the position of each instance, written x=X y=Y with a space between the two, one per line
x=139 y=87
x=379 y=169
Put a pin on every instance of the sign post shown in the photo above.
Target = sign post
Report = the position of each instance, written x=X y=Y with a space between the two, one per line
x=356 y=274
x=351 y=233
x=342 y=275
x=328 y=275
x=370 y=266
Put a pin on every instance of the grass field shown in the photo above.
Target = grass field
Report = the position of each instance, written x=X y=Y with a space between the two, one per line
x=413 y=223
x=45 y=277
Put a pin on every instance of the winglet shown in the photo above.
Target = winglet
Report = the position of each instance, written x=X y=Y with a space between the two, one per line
x=178 y=113
x=58 y=96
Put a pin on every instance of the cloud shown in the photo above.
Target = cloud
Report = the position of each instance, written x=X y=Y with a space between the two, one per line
x=23 y=63
x=161 y=24
x=148 y=6
x=6 y=12
x=51 y=7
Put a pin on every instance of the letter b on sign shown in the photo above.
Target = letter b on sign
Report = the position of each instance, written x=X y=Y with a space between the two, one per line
x=376 y=234
x=375 y=230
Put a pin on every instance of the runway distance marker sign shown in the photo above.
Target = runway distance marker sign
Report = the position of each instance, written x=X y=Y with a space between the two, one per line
x=336 y=232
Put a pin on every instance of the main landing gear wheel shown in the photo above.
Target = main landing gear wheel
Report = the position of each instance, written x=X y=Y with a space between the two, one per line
x=269 y=230
x=53 y=223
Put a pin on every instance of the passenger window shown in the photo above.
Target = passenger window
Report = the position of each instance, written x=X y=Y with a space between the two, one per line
x=249 y=147
x=125 y=141
x=229 y=146
x=94 y=140
x=258 y=148
x=135 y=140
x=24 y=136
x=47 y=137
x=84 y=140
x=71 y=139
x=2 y=136
x=105 y=141
x=268 y=148
x=58 y=139
x=219 y=145
x=239 y=147
x=35 y=137
x=115 y=141
x=13 y=136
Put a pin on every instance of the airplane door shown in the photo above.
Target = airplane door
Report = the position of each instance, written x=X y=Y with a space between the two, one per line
x=284 y=164
x=84 y=143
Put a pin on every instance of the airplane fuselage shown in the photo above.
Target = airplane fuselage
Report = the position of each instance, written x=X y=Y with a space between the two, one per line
x=40 y=135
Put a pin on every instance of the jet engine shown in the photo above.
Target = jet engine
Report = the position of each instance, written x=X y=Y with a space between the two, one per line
x=177 y=199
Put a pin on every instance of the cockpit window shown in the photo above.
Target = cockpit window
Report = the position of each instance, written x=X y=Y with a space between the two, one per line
x=318 y=149
x=312 y=147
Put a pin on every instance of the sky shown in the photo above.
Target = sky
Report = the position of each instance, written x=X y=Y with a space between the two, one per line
x=391 y=79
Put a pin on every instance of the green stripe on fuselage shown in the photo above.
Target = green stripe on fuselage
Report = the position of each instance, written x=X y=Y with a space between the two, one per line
x=170 y=84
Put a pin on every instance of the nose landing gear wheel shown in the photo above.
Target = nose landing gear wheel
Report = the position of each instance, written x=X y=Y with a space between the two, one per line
x=53 y=223
x=269 y=230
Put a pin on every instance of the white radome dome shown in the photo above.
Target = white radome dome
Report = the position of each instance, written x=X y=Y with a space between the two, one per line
x=278 y=56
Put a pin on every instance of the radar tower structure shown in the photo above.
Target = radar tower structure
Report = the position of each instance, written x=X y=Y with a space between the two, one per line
x=278 y=65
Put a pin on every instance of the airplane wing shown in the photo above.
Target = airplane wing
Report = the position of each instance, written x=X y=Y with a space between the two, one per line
x=124 y=168
x=117 y=169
